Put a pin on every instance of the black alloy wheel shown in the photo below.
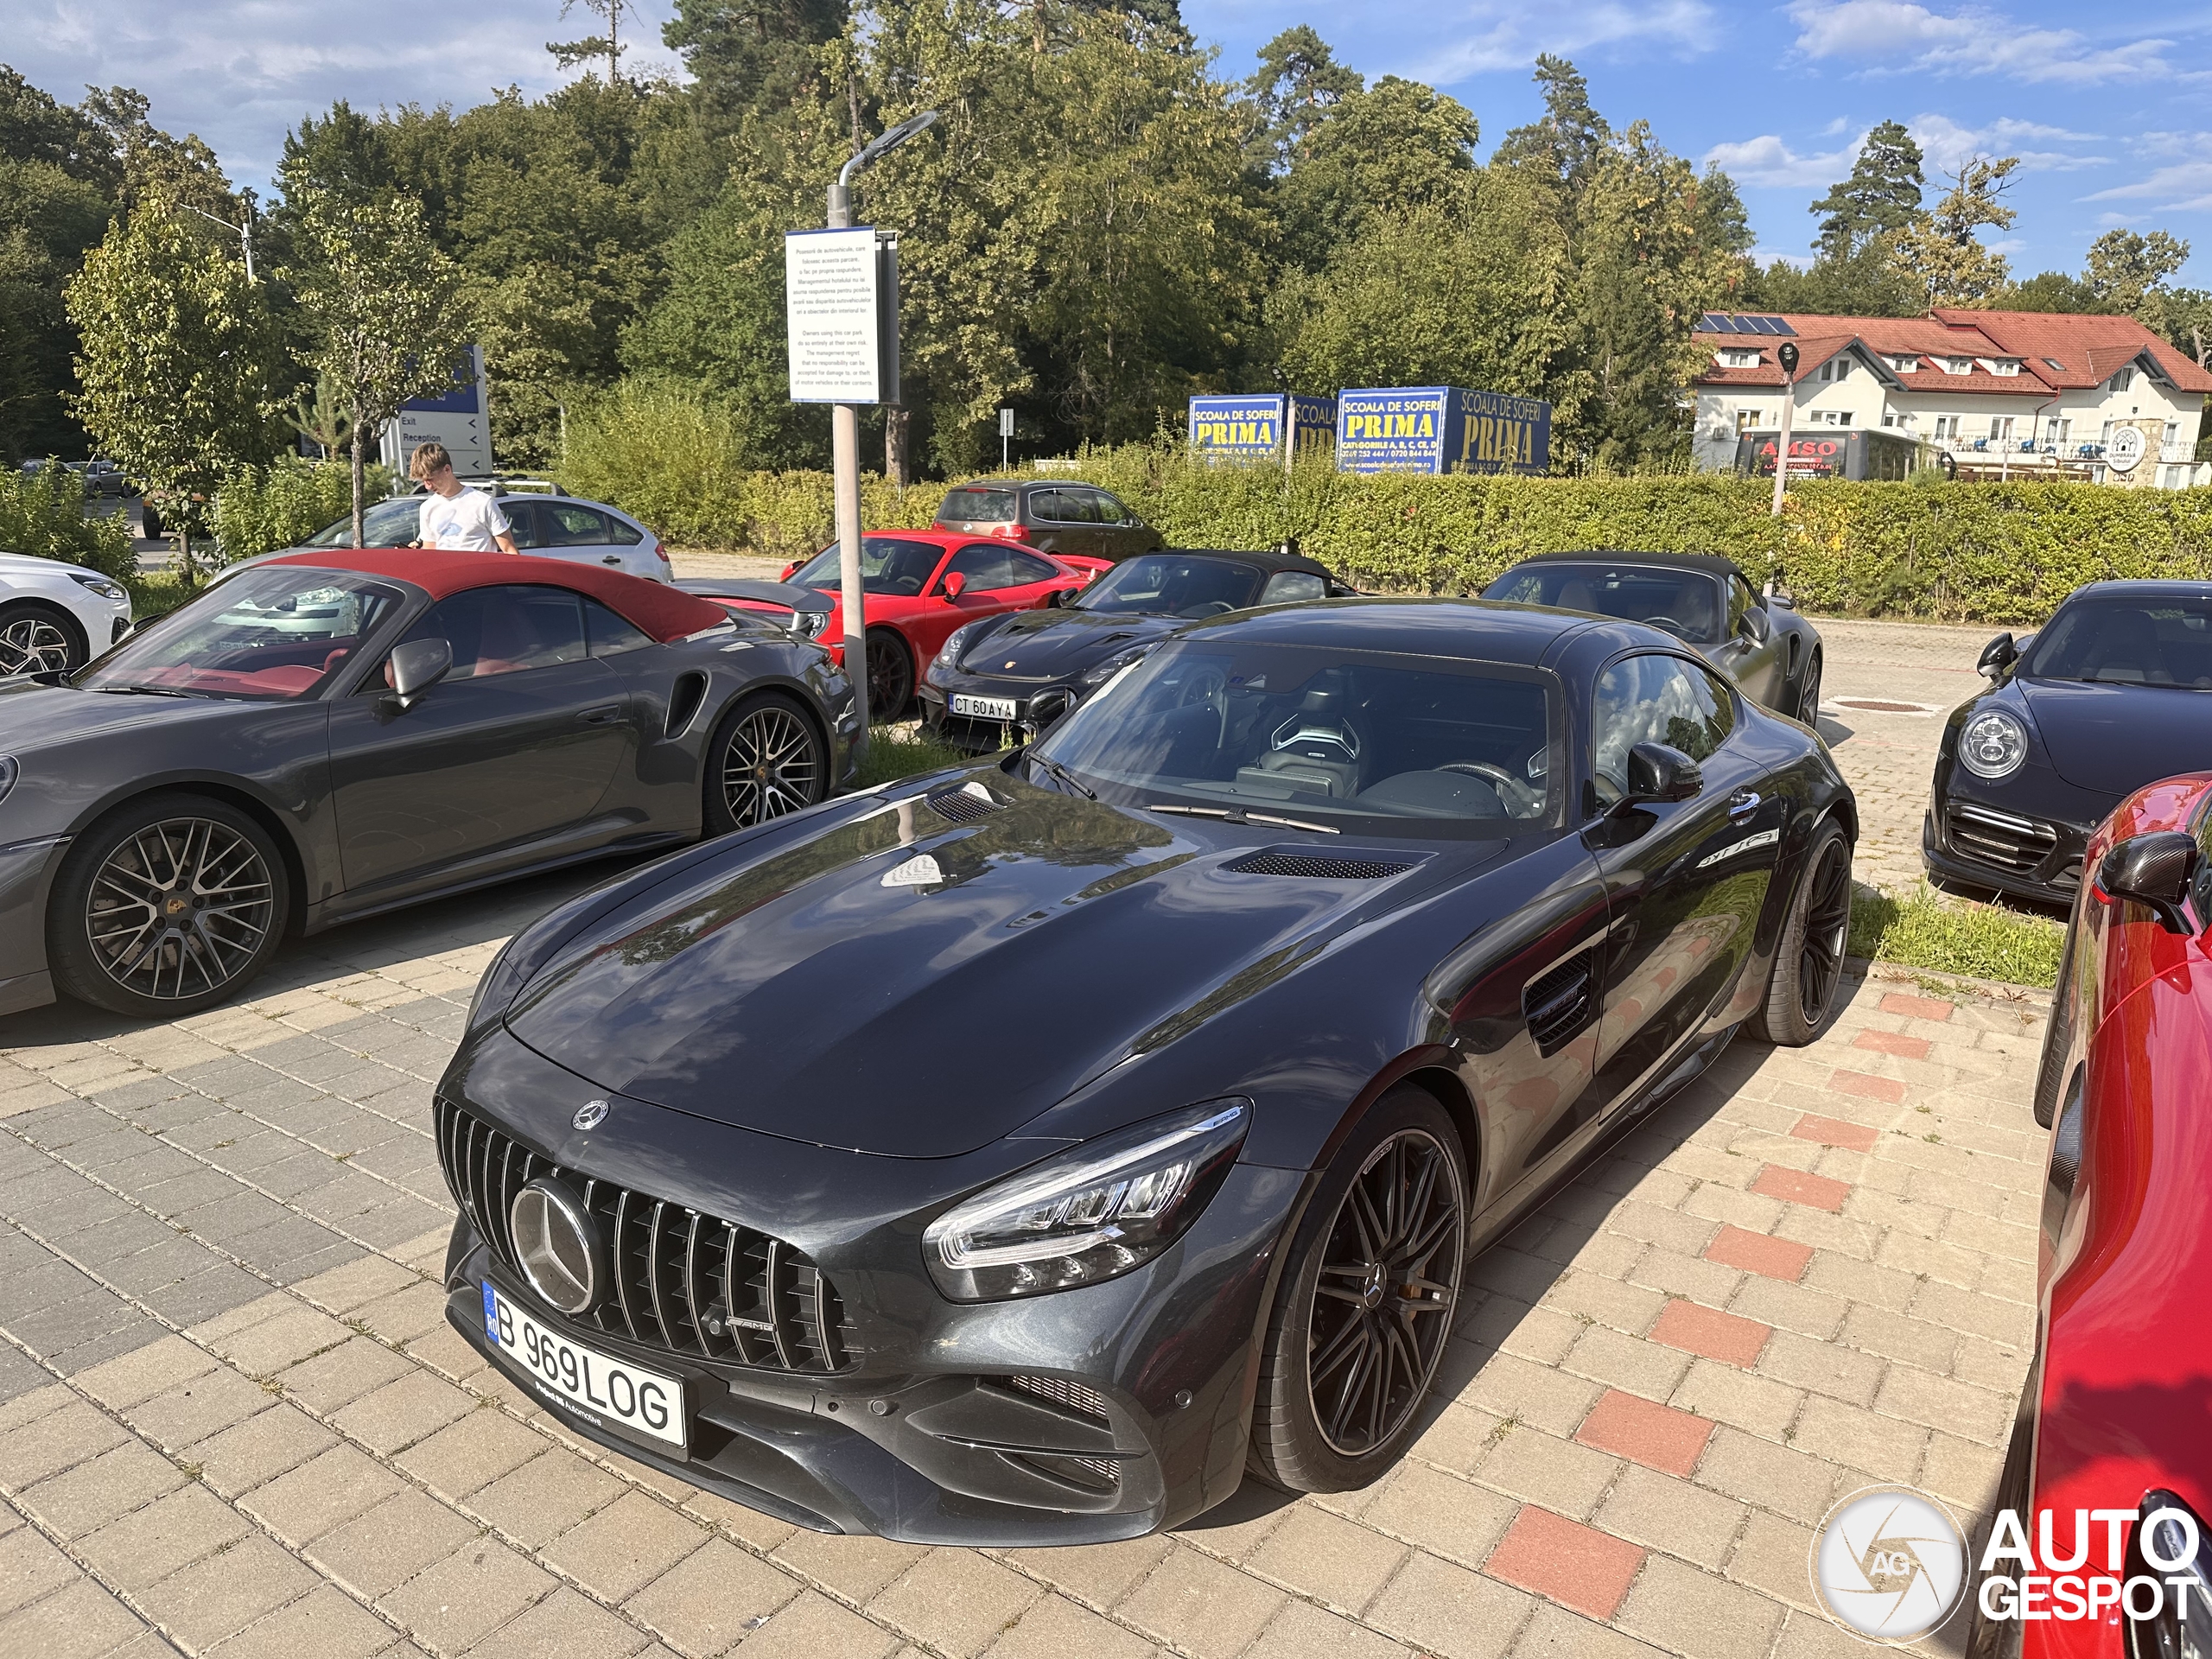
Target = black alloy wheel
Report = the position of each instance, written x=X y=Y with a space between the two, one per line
x=168 y=906
x=1809 y=694
x=1808 y=958
x=767 y=759
x=1366 y=1302
x=890 y=675
x=35 y=639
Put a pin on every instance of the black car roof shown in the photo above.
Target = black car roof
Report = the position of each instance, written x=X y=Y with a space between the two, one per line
x=1495 y=630
x=1270 y=563
x=1713 y=564
x=2150 y=588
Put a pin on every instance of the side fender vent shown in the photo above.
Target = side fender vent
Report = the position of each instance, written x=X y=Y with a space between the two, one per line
x=683 y=700
x=1559 y=1002
x=967 y=803
x=1314 y=867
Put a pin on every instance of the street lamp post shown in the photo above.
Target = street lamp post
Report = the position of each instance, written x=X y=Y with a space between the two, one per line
x=845 y=440
x=243 y=232
x=1786 y=356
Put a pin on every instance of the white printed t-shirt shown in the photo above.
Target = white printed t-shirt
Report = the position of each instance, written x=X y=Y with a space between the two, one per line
x=470 y=521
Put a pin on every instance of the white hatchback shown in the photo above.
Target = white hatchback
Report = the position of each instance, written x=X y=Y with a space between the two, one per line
x=56 y=616
x=551 y=526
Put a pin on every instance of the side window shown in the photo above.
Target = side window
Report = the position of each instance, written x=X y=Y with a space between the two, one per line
x=1109 y=511
x=501 y=630
x=1656 y=699
x=524 y=524
x=1741 y=599
x=1287 y=587
x=609 y=634
x=620 y=532
x=1023 y=568
x=570 y=526
x=1045 y=507
x=986 y=566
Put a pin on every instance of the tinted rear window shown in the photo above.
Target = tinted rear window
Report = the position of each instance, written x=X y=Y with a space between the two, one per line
x=977 y=507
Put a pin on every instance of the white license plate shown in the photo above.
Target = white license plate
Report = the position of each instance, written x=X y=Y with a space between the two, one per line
x=982 y=708
x=644 y=1401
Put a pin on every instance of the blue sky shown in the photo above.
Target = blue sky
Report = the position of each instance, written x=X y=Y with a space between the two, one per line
x=2112 y=110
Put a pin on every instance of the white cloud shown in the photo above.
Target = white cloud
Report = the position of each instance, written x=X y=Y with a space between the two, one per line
x=1767 y=161
x=1898 y=35
x=1947 y=145
x=1508 y=37
x=2185 y=188
x=242 y=73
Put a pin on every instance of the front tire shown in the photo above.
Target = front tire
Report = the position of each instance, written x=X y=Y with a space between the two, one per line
x=169 y=905
x=1809 y=957
x=1364 y=1308
x=767 y=758
x=37 y=638
x=890 y=675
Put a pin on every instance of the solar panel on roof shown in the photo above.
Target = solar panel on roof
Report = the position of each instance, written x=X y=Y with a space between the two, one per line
x=1753 y=325
x=1715 y=323
x=1776 y=326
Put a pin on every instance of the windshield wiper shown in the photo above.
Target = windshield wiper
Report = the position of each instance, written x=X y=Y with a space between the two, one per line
x=1060 y=774
x=1238 y=815
x=143 y=690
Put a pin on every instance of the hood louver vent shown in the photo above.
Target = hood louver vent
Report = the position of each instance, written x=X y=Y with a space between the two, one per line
x=1558 y=1003
x=966 y=803
x=1315 y=868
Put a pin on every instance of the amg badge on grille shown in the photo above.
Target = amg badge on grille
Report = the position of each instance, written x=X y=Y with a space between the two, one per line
x=590 y=1115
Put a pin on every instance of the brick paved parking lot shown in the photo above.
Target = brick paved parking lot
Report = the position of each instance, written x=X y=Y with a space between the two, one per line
x=232 y=1419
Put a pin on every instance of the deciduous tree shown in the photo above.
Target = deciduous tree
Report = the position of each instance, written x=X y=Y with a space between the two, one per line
x=1940 y=251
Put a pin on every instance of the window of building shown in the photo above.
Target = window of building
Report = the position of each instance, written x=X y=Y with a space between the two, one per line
x=1836 y=368
x=1956 y=365
x=1738 y=359
x=2001 y=366
x=2057 y=431
x=1946 y=426
x=1905 y=364
x=1747 y=420
x=2121 y=379
x=2055 y=364
x=2000 y=429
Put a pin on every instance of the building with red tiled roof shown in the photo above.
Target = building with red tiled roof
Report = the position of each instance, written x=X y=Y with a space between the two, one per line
x=2037 y=391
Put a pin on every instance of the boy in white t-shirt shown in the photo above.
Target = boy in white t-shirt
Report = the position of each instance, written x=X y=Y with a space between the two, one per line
x=455 y=519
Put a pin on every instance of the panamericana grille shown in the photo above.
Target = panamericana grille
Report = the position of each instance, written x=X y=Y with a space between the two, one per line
x=1314 y=867
x=2020 y=845
x=965 y=805
x=684 y=1281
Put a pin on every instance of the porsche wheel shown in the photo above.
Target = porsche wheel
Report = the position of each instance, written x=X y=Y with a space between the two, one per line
x=37 y=638
x=890 y=675
x=1366 y=1304
x=167 y=907
x=1808 y=959
x=1809 y=694
x=766 y=760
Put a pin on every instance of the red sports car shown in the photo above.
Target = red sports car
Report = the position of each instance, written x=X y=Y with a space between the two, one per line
x=2110 y=1471
x=922 y=584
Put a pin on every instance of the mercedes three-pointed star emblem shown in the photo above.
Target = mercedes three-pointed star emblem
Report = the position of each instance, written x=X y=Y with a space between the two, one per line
x=590 y=1115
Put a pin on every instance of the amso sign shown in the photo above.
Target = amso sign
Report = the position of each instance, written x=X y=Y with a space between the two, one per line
x=1441 y=430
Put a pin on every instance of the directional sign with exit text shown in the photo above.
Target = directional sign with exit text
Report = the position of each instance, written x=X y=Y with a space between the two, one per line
x=457 y=419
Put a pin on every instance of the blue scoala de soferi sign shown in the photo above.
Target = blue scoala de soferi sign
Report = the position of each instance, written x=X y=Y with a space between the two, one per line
x=1441 y=430
x=1253 y=426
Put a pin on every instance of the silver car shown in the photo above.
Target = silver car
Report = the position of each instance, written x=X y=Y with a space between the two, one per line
x=547 y=524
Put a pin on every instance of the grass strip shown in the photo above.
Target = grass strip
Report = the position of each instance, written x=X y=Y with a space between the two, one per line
x=1925 y=930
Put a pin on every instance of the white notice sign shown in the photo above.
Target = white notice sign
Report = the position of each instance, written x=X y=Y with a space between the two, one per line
x=829 y=299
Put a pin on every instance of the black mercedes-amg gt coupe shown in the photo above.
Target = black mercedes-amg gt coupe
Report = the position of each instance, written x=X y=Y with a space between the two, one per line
x=1020 y=1153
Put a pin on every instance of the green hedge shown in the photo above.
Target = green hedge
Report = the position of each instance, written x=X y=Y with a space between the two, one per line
x=261 y=509
x=42 y=514
x=1950 y=551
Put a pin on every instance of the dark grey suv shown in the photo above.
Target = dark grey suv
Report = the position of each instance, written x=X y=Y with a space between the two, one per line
x=1052 y=516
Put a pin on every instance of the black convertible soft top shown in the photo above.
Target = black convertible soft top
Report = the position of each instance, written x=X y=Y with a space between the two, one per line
x=1711 y=563
x=1269 y=564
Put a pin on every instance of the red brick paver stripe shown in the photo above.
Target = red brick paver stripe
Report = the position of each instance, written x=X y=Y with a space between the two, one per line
x=1778 y=1258
x=1858 y=1083
x=1835 y=1132
x=1795 y=1186
x=1729 y=1337
x=1918 y=1008
x=1892 y=1042
x=1657 y=1436
x=1574 y=1565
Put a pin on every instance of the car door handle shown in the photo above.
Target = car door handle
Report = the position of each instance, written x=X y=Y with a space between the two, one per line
x=1743 y=801
x=601 y=716
x=612 y=559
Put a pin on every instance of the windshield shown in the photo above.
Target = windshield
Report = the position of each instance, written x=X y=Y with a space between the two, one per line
x=889 y=565
x=977 y=507
x=386 y=523
x=1165 y=584
x=275 y=634
x=1686 y=603
x=1346 y=740
x=2127 y=642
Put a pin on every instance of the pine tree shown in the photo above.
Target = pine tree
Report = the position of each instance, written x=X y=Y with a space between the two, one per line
x=1297 y=86
x=1879 y=198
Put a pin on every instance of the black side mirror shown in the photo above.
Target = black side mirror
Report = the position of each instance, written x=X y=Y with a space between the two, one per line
x=1755 y=624
x=146 y=621
x=1656 y=772
x=418 y=665
x=1059 y=597
x=1047 y=708
x=2152 y=869
x=1997 y=656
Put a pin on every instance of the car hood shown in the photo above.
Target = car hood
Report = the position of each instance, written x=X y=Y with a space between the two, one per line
x=34 y=715
x=1058 y=644
x=24 y=564
x=901 y=985
x=2113 y=739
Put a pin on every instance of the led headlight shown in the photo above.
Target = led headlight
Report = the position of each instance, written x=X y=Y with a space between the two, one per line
x=948 y=655
x=100 y=585
x=1114 y=664
x=1091 y=1213
x=809 y=625
x=1992 y=743
x=2170 y=1543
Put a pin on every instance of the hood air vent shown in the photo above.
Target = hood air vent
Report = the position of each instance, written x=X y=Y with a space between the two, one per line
x=1315 y=868
x=1558 y=1003
x=967 y=803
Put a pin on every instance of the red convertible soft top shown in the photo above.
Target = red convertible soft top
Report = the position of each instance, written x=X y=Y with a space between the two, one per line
x=662 y=611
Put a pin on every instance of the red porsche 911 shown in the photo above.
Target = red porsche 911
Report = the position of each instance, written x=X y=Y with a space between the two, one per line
x=2110 y=1470
x=922 y=584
